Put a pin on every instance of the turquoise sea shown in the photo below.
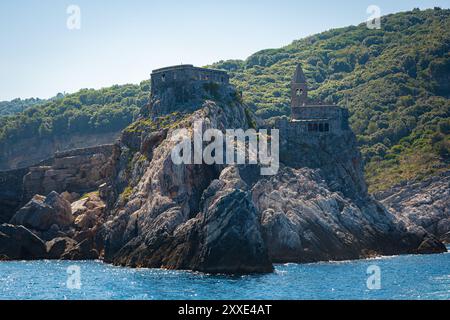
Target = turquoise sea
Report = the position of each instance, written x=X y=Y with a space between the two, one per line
x=400 y=277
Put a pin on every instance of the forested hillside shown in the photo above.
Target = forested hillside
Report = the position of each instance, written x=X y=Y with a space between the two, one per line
x=89 y=110
x=18 y=105
x=395 y=82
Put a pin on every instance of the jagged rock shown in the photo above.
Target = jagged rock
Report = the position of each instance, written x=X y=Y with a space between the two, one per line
x=43 y=212
x=88 y=212
x=446 y=238
x=19 y=243
x=422 y=203
x=82 y=251
x=431 y=245
x=303 y=221
x=58 y=246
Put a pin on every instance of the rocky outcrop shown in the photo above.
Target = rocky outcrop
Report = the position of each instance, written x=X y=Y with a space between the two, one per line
x=49 y=221
x=11 y=190
x=19 y=243
x=230 y=219
x=41 y=213
x=423 y=204
x=74 y=172
x=78 y=171
x=216 y=218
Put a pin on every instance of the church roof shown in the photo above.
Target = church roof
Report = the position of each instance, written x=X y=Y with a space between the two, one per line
x=299 y=76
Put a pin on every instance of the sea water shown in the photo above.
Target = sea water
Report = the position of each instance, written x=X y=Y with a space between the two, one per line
x=398 y=277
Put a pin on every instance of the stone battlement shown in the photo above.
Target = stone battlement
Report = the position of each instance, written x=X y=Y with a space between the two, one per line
x=165 y=77
x=184 y=88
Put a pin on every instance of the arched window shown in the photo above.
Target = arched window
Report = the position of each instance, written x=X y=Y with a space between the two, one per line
x=163 y=77
x=327 y=127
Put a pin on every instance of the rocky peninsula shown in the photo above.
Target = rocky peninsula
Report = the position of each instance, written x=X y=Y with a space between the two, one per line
x=142 y=210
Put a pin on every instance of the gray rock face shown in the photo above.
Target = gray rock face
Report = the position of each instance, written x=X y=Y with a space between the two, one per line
x=423 y=204
x=41 y=213
x=303 y=221
x=19 y=243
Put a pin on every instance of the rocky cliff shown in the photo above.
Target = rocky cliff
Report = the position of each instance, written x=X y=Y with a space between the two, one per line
x=230 y=219
x=216 y=218
x=422 y=203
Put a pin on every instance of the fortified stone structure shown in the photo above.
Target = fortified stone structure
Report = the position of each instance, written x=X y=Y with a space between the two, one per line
x=317 y=117
x=185 y=87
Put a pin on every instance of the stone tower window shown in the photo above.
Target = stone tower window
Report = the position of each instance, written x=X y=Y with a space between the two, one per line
x=163 y=77
x=327 y=127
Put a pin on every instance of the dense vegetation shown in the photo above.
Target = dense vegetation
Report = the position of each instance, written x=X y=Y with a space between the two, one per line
x=395 y=82
x=18 y=105
x=105 y=110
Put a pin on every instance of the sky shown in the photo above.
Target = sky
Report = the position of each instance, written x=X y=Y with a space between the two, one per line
x=46 y=49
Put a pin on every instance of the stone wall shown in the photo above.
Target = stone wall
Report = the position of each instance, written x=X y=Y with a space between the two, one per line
x=79 y=171
x=185 y=88
x=164 y=77
x=28 y=152
x=330 y=118
x=336 y=154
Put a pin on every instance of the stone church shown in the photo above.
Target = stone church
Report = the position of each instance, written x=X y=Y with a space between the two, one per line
x=314 y=117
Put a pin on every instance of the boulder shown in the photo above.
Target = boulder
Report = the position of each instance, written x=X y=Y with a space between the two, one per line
x=88 y=211
x=58 y=246
x=82 y=251
x=19 y=243
x=446 y=238
x=86 y=220
x=43 y=212
x=70 y=196
x=431 y=245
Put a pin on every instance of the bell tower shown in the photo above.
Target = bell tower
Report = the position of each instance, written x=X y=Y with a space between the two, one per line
x=299 y=89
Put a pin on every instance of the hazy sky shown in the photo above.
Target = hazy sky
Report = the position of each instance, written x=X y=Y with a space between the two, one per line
x=121 y=41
